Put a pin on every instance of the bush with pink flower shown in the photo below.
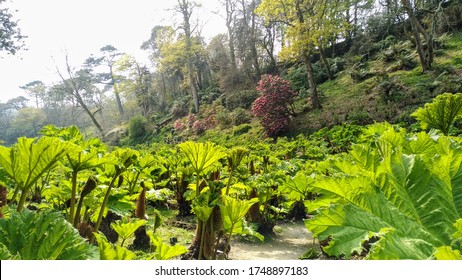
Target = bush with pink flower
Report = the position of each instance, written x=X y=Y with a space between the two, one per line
x=198 y=127
x=179 y=125
x=274 y=106
x=190 y=120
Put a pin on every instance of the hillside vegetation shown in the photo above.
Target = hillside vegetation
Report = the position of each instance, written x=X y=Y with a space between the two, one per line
x=384 y=92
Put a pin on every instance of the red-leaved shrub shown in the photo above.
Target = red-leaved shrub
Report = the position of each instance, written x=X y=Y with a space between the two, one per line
x=179 y=125
x=273 y=105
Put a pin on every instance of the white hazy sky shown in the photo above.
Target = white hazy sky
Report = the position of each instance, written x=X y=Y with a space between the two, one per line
x=81 y=28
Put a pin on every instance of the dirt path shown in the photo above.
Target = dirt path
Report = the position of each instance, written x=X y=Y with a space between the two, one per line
x=290 y=242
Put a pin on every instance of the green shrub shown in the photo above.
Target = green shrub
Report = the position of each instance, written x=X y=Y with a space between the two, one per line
x=240 y=116
x=358 y=72
x=243 y=99
x=390 y=90
x=137 y=128
x=241 y=129
x=340 y=137
x=360 y=117
x=298 y=78
x=224 y=117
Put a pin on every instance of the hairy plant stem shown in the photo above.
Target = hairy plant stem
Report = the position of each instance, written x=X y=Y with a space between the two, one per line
x=229 y=181
x=201 y=246
x=15 y=194
x=229 y=239
x=103 y=205
x=22 y=200
x=70 y=218
x=200 y=224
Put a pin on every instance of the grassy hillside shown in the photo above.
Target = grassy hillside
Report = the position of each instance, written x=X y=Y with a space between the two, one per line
x=387 y=94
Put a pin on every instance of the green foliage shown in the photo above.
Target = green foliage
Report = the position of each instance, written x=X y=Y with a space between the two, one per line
x=202 y=212
x=233 y=211
x=127 y=229
x=71 y=133
x=11 y=39
x=447 y=253
x=137 y=129
x=201 y=155
x=118 y=162
x=441 y=113
x=108 y=251
x=241 y=129
x=404 y=191
x=27 y=161
x=240 y=99
x=298 y=78
x=41 y=236
x=297 y=188
x=165 y=251
x=401 y=53
x=240 y=116
x=359 y=72
x=235 y=157
x=340 y=137
x=158 y=220
x=391 y=90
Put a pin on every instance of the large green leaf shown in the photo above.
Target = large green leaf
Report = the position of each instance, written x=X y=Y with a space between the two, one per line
x=127 y=229
x=297 y=188
x=201 y=155
x=83 y=158
x=110 y=251
x=202 y=212
x=447 y=253
x=43 y=236
x=165 y=251
x=233 y=211
x=27 y=161
x=410 y=202
x=392 y=246
x=441 y=113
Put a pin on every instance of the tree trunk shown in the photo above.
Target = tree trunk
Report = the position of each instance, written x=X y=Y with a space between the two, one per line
x=232 y=50
x=253 y=43
x=312 y=83
x=324 y=61
x=229 y=25
x=186 y=10
x=74 y=91
x=89 y=113
x=250 y=40
x=425 y=56
x=116 y=93
x=268 y=44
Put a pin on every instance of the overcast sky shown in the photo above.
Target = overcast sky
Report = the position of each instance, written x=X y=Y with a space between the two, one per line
x=81 y=28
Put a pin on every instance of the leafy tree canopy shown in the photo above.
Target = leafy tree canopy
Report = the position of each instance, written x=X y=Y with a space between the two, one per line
x=11 y=39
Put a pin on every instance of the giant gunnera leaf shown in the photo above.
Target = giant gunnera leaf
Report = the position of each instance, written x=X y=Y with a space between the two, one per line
x=42 y=236
x=407 y=205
